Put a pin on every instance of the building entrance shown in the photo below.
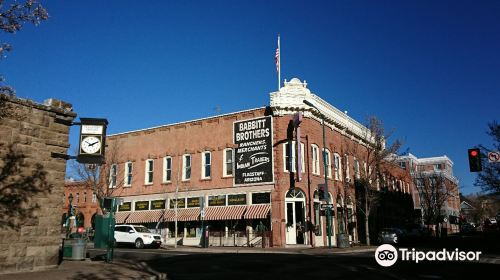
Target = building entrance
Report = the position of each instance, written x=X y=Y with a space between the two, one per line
x=295 y=217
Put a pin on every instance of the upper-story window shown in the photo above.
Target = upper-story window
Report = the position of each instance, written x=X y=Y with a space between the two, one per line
x=112 y=175
x=228 y=162
x=437 y=167
x=402 y=164
x=328 y=158
x=94 y=197
x=315 y=159
x=149 y=171
x=186 y=167
x=337 y=166
x=128 y=173
x=206 y=163
x=167 y=169
x=77 y=197
x=290 y=157
x=84 y=197
x=347 y=172
x=356 y=168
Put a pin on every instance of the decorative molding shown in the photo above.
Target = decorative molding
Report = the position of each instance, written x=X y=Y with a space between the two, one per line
x=289 y=99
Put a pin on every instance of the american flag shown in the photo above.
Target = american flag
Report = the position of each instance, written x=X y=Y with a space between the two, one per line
x=277 y=57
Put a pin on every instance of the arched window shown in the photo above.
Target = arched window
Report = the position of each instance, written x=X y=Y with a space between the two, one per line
x=295 y=193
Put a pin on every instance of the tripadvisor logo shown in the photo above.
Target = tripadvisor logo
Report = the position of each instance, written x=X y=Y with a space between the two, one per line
x=386 y=255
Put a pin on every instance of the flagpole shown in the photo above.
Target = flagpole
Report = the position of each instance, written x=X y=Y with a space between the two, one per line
x=279 y=63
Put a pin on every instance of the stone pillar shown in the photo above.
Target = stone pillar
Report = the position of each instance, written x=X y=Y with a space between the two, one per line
x=29 y=134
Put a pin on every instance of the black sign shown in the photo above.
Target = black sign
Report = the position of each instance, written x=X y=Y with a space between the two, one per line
x=141 y=205
x=193 y=202
x=237 y=199
x=181 y=203
x=218 y=200
x=254 y=155
x=158 y=204
x=126 y=206
x=261 y=198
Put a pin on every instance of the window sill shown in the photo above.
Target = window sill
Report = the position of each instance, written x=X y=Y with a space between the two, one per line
x=227 y=176
x=167 y=183
x=206 y=179
x=148 y=184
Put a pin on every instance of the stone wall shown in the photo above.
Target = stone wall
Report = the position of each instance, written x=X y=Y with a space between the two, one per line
x=31 y=181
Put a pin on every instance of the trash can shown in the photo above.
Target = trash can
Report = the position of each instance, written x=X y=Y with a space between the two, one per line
x=74 y=249
x=342 y=240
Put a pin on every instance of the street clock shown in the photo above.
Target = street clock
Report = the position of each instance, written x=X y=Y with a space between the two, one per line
x=92 y=140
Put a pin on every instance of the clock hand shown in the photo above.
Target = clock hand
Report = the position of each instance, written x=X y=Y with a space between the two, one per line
x=93 y=143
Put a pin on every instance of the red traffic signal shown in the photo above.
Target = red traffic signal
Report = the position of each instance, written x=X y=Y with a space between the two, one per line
x=475 y=160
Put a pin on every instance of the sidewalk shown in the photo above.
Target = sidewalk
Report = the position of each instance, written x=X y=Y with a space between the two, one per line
x=88 y=269
x=254 y=250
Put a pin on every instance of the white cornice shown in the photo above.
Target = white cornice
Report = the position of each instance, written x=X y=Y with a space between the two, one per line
x=290 y=99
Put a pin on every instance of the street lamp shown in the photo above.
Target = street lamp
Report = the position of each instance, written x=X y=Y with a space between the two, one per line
x=326 y=194
x=70 y=210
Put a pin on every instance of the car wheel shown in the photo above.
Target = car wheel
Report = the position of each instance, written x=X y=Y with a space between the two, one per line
x=139 y=244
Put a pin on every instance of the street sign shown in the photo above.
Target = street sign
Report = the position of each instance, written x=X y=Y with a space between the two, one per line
x=325 y=206
x=494 y=156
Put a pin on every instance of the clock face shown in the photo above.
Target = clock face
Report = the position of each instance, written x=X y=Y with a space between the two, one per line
x=91 y=144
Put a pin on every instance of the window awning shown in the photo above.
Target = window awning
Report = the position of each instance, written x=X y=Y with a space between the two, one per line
x=151 y=216
x=184 y=214
x=120 y=217
x=225 y=213
x=257 y=211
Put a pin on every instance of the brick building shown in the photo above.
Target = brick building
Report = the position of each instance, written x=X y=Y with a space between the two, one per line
x=32 y=181
x=84 y=201
x=243 y=172
x=438 y=167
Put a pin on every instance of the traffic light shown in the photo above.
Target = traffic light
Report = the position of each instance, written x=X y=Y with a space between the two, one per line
x=322 y=192
x=475 y=160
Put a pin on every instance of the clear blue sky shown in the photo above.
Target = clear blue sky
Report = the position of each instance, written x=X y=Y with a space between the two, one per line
x=429 y=69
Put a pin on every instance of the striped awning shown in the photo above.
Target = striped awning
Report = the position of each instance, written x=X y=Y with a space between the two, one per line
x=225 y=213
x=151 y=216
x=120 y=217
x=258 y=211
x=184 y=214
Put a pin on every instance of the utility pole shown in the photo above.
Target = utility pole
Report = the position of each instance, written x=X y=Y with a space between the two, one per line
x=175 y=204
x=326 y=194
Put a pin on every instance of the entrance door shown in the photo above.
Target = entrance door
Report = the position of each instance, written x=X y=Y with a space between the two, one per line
x=318 y=222
x=295 y=217
x=291 y=232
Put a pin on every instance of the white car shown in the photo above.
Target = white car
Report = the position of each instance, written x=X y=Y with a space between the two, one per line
x=140 y=236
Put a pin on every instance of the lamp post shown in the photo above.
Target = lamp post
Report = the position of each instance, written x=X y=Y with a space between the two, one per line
x=68 y=220
x=326 y=194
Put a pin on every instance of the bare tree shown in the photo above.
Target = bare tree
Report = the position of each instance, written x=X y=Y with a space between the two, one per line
x=489 y=178
x=105 y=180
x=13 y=15
x=434 y=190
x=374 y=153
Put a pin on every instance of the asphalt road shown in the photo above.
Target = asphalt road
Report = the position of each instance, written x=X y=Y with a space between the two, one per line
x=358 y=265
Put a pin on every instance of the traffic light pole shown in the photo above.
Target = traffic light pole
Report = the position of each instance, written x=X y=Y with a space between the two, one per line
x=326 y=194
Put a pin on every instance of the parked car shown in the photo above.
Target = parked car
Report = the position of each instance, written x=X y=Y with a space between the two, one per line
x=467 y=228
x=139 y=236
x=490 y=224
x=391 y=235
x=416 y=232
